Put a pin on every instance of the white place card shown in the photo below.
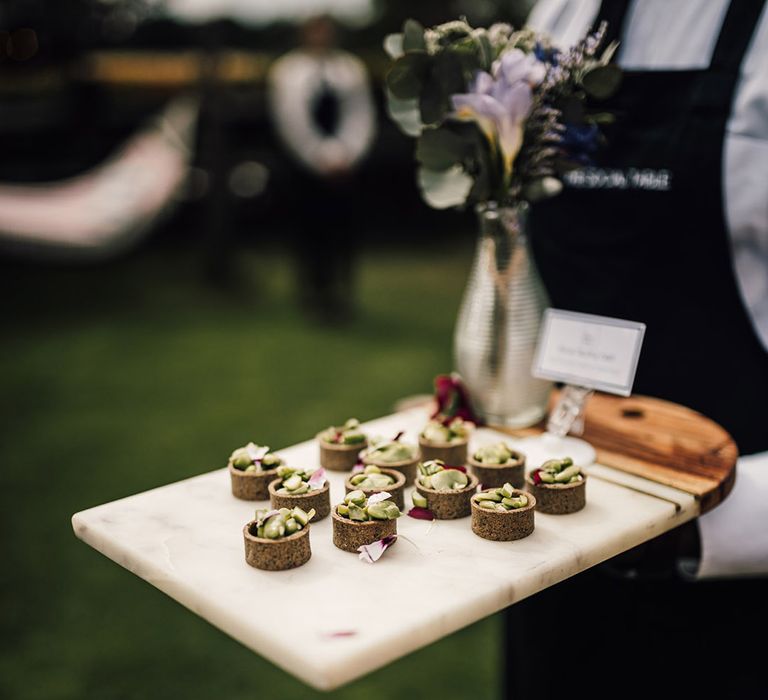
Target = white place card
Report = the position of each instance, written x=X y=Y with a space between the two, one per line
x=592 y=351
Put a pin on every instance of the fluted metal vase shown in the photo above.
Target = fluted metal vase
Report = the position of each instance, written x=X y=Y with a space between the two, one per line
x=499 y=321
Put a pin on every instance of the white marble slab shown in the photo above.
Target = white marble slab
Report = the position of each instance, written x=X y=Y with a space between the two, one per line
x=185 y=539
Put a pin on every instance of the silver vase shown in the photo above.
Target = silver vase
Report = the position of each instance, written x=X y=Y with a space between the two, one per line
x=498 y=323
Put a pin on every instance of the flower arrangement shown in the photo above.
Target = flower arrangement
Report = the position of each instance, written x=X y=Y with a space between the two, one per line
x=499 y=114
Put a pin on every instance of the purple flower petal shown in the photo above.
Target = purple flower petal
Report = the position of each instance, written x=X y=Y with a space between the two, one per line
x=473 y=106
x=421 y=513
x=378 y=497
x=515 y=66
x=318 y=479
x=371 y=553
x=516 y=100
x=482 y=83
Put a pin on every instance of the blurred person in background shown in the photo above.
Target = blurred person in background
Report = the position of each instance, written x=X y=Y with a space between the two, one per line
x=323 y=112
x=670 y=227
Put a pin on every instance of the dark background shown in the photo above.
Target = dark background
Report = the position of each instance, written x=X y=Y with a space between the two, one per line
x=129 y=371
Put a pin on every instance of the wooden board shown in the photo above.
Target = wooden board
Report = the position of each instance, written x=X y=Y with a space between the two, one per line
x=661 y=441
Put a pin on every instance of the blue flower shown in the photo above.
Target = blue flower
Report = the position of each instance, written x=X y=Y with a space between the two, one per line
x=546 y=54
x=581 y=140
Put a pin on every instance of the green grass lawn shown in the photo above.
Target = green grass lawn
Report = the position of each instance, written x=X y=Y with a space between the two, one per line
x=119 y=378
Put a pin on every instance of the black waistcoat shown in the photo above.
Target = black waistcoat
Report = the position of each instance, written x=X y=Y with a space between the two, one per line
x=643 y=236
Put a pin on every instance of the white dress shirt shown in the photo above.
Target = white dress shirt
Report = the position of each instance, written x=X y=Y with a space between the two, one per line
x=295 y=81
x=667 y=35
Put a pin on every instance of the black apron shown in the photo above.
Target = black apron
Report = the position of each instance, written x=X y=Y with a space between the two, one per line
x=643 y=235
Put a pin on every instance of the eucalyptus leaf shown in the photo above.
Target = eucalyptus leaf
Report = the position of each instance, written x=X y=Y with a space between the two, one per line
x=572 y=109
x=482 y=168
x=484 y=48
x=602 y=118
x=602 y=81
x=393 y=45
x=441 y=148
x=443 y=189
x=405 y=113
x=407 y=75
x=433 y=102
x=609 y=51
x=448 y=70
x=543 y=188
x=413 y=36
x=445 y=78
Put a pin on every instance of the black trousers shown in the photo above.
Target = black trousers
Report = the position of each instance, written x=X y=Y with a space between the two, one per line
x=325 y=245
x=599 y=634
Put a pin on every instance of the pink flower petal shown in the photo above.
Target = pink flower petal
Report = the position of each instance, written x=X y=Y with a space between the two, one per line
x=359 y=467
x=377 y=497
x=457 y=467
x=256 y=453
x=318 y=479
x=421 y=513
x=371 y=553
x=260 y=521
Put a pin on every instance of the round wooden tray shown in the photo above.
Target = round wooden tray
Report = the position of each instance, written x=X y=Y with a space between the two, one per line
x=661 y=441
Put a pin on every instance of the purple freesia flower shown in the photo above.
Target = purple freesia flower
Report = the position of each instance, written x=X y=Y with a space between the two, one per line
x=500 y=101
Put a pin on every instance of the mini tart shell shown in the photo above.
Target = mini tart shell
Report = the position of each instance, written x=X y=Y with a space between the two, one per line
x=276 y=555
x=397 y=490
x=351 y=534
x=407 y=467
x=496 y=475
x=339 y=458
x=558 y=499
x=507 y=526
x=449 y=505
x=251 y=486
x=454 y=454
x=320 y=500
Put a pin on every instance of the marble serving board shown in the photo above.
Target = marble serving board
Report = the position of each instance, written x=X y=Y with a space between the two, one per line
x=186 y=539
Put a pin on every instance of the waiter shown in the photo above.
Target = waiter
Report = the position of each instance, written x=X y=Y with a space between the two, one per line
x=323 y=112
x=670 y=227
